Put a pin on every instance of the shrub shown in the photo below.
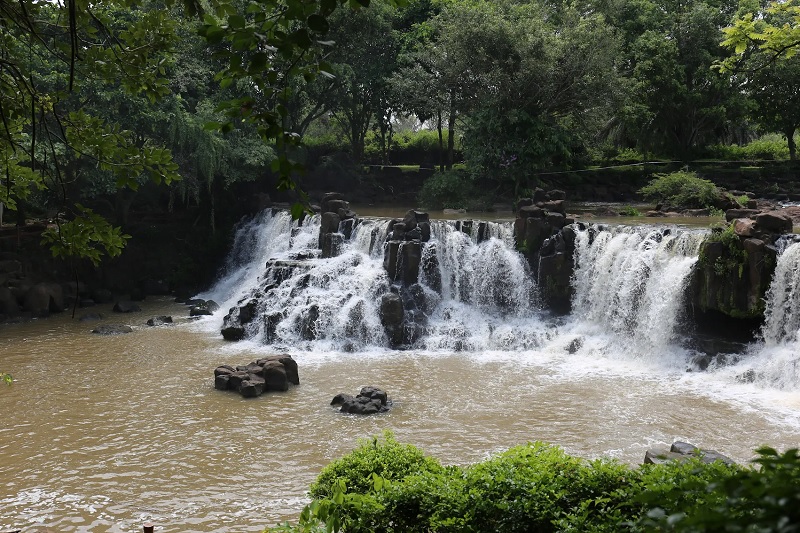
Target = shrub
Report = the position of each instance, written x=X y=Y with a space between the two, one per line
x=681 y=190
x=537 y=487
x=382 y=456
x=630 y=211
x=452 y=189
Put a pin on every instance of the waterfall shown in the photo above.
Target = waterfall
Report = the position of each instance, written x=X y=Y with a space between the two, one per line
x=271 y=234
x=782 y=315
x=633 y=280
x=775 y=364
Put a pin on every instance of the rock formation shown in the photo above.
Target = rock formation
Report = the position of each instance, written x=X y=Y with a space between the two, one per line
x=370 y=401
x=273 y=373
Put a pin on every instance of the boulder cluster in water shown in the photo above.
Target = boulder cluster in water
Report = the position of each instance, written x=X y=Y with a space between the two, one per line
x=683 y=451
x=273 y=373
x=370 y=401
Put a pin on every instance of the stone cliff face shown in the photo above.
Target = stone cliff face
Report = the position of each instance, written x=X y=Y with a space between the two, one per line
x=737 y=263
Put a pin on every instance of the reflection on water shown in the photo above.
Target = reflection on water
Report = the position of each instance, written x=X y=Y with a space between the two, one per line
x=104 y=433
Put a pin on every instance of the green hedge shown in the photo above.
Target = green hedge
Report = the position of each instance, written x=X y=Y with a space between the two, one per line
x=539 y=488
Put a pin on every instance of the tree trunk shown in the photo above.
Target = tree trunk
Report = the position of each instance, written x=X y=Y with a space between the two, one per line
x=792 y=145
x=441 y=140
x=451 y=132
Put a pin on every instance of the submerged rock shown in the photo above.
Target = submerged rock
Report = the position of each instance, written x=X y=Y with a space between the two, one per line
x=159 y=320
x=112 y=329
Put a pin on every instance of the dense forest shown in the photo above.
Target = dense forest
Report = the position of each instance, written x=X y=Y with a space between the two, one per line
x=209 y=105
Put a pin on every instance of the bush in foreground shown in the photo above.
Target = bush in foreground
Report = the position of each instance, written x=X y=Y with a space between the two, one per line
x=539 y=488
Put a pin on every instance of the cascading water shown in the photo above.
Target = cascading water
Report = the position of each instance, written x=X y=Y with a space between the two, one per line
x=471 y=295
x=782 y=315
x=776 y=363
x=633 y=281
x=488 y=297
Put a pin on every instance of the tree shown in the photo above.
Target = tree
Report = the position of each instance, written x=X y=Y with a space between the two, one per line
x=363 y=59
x=772 y=29
x=54 y=56
x=775 y=89
x=676 y=102
x=528 y=74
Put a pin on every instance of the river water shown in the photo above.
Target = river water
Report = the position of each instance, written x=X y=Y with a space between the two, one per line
x=105 y=433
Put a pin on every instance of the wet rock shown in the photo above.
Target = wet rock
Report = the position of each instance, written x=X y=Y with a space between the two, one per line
x=112 y=329
x=206 y=308
x=126 y=306
x=329 y=223
x=251 y=387
x=733 y=214
x=774 y=222
x=160 y=320
x=89 y=317
x=392 y=313
x=289 y=365
x=683 y=451
x=43 y=299
x=273 y=373
x=8 y=303
x=233 y=333
x=371 y=400
x=575 y=345
x=744 y=227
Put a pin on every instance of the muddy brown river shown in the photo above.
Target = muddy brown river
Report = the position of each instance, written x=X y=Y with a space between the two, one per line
x=105 y=433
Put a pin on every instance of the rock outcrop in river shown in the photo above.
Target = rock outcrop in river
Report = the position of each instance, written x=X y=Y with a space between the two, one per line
x=273 y=373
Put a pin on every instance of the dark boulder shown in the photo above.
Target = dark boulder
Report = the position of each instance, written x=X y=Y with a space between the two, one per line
x=89 y=317
x=43 y=299
x=8 y=303
x=733 y=214
x=392 y=314
x=251 y=387
x=159 y=320
x=683 y=451
x=289 y=365
x=275 y=377
x=233 y=333
x=126 y=306
x=371 y=400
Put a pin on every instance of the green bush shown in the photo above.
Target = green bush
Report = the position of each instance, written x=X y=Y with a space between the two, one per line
x=681 y=190
x=452 y=189
x=537 y=487
x=382 y=456
x=772 y=146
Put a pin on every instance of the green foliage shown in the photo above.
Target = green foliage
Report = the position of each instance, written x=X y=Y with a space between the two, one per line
x=734 y=257
x=451 y=189
x=682 y=190
x=87 y=235
x=382 y=456
x=537 y=487
x=767 y=147
x=6 y=378
x=774 y=30
x=630 y=211
x=717 y=498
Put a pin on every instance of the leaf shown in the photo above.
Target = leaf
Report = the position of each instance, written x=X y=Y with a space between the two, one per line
x=318 y=23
